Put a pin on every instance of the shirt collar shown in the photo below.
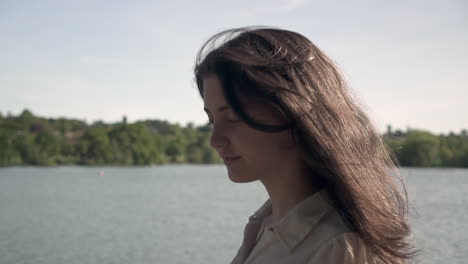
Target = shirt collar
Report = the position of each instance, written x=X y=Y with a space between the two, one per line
x=300 y=221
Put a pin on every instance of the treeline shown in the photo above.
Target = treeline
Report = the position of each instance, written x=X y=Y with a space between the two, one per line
x=30 y=140
x=423 y=149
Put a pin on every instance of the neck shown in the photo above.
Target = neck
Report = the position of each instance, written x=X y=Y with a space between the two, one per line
x=286 y=189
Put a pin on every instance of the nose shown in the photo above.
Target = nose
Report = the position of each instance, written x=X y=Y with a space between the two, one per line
x=218 y=138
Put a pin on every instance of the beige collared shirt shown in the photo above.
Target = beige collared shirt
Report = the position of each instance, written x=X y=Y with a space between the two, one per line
x=310 y=233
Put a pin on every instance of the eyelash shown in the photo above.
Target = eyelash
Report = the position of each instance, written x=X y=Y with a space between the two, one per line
x=210 y=122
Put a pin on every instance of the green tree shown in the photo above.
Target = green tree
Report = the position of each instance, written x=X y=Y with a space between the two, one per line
x=420 y=149
x=176 y=150
x=48 y=148
x=143 y=145
x=26 y=119
x=9 y=154
x=94 y=147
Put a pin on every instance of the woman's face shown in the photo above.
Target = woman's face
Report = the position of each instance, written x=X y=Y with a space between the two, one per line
x=249 y=154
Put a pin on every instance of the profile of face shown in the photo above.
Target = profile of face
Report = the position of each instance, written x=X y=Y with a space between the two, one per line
x=249 y=154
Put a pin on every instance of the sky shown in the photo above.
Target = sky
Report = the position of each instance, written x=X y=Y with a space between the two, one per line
x=406 y=61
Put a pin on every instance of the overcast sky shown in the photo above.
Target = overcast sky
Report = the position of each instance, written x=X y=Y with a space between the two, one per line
x=100 y=60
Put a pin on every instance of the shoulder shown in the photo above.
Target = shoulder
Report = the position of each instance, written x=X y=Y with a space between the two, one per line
x=346 y=247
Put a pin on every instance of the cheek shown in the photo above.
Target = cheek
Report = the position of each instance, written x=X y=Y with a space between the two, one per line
x=286 y=141
x=263 y=144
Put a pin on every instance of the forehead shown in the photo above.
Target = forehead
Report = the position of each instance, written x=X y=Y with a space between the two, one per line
x=213 y=97
x=212 y=91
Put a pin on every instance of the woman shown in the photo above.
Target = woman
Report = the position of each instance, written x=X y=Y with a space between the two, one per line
x=281 y=113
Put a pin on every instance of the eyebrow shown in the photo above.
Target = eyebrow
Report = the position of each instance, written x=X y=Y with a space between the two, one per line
x=220 y=109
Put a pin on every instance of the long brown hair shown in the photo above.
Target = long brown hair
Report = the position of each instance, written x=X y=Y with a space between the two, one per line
x=339 y=144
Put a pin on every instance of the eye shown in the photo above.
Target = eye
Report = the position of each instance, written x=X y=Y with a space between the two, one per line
x=233 y=118
x=231 y=121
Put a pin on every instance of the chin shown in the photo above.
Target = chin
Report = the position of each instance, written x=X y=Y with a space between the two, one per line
x=239 y=177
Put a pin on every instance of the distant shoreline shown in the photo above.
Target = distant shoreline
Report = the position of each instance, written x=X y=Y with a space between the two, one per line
x=29 y=140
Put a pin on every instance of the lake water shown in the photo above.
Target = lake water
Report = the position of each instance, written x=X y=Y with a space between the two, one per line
x=180 y=214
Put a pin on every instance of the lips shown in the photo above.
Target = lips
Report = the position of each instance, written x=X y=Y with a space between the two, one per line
x=231 y=159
